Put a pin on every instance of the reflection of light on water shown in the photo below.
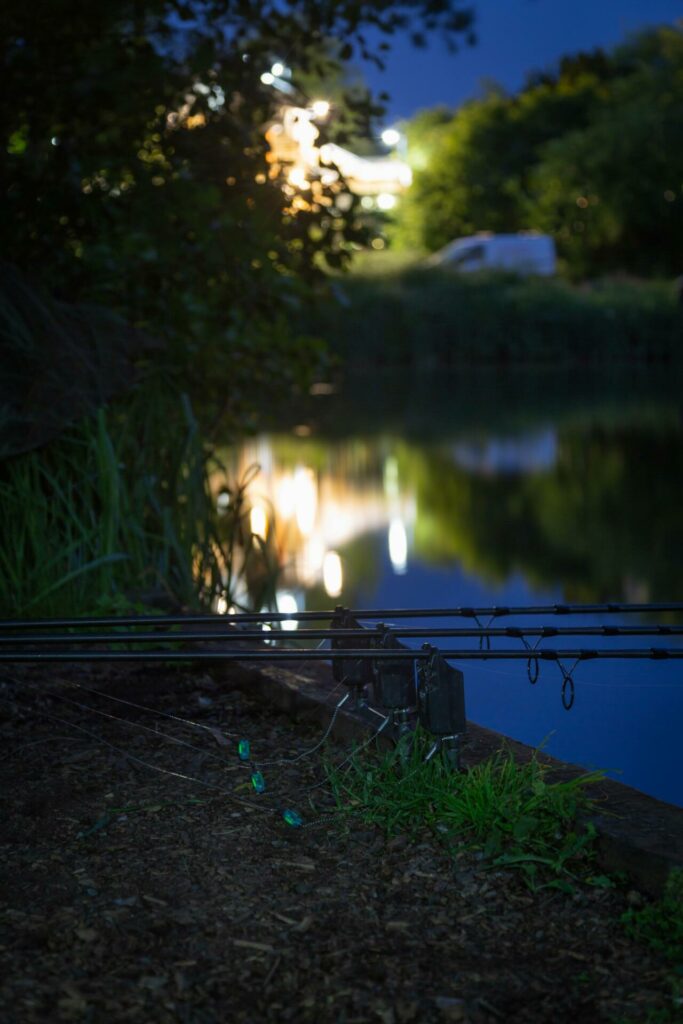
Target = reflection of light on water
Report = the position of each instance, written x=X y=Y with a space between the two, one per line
x=286 y=602
x=333 y=576
x=492 y=456
x=391 y=477
x=309 y=513
x=258 y=521
x=285 y=497
x=398 y=546
x=309 y=561
x=306 y=499
x=337 y=523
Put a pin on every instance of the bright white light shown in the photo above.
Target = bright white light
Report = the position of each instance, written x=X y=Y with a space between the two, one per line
x=286 y=602
x=258 y=521
x=405 y=175
x=391 y=137
x=277 y=69
x=333 y=575
x=285 y=497
x=221 y=606
x=54 y=140
x=386 y=201
x=297 y=178
x=217 y=100
x=311 y=559
x=369 y=172
x=223 y=501
x=398 y=546
x=306 y=499
x=267 y=78
x=320 y=108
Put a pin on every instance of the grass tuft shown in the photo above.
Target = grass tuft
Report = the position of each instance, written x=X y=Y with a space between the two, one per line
x=659 y=925
x=513 y=813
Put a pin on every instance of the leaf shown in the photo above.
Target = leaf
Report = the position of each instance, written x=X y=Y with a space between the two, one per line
x=600 y=881
x=562 y=884
x=524 y=827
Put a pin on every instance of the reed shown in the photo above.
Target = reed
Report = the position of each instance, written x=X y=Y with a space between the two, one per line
x=119 y=512
x=431 y=317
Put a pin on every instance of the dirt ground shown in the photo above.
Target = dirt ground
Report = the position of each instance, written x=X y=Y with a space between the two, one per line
x=132 y=895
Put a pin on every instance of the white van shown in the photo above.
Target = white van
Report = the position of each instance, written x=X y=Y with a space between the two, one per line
x=525 y=253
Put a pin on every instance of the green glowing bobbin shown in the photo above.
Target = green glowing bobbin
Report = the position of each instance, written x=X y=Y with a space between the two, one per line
x=258 y=782
x=292 y=818
x=243 y=750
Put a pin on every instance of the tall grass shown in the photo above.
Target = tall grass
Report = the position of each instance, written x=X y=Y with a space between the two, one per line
x=515 y=813
x=106 y=493
x=119 y=512
x=429 y=317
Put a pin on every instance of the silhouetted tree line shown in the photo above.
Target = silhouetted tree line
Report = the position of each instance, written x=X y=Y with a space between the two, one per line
x=592 y=154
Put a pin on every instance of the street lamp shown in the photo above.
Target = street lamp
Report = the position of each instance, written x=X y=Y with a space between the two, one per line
x=320 y=108
x=391 y=137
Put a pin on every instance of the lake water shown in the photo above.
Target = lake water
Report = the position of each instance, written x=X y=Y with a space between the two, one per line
x=449 y=491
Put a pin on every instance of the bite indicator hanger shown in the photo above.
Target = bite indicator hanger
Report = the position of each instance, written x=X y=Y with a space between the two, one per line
x=441 y=705
x=354 y=673
x=394 y=683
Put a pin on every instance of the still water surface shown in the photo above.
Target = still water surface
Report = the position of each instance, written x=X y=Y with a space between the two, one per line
x=400 y=492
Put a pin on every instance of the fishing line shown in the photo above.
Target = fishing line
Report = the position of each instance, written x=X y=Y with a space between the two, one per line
x=146 y=728
x=155 y=711
x=312 y=750
x=138 y=760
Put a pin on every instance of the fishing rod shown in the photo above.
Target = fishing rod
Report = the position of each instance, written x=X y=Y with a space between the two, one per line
x=334 y=634
x=493 y=612
x=360 y=654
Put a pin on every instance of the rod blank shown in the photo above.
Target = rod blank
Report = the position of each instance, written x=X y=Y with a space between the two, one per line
x=384 y=655
x=236 y=635
x=495 y=611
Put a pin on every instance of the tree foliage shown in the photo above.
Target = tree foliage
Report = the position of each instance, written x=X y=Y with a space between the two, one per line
x=134 y=167
x=592 y=154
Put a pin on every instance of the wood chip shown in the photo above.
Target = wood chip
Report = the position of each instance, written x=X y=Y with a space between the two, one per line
x=264 y=947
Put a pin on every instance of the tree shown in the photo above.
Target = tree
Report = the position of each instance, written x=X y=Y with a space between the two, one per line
x=476 y=174
x=592 y=154
x=612 y=192
x=135 y=170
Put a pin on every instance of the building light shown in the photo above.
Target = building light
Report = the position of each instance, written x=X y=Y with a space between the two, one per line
x=386 y=201
x=297 y=178
x=391 y=137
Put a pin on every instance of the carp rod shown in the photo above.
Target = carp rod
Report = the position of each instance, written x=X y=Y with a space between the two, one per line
x=492 y=612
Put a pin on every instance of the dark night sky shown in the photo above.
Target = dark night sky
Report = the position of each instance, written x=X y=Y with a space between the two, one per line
x=514 y=37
